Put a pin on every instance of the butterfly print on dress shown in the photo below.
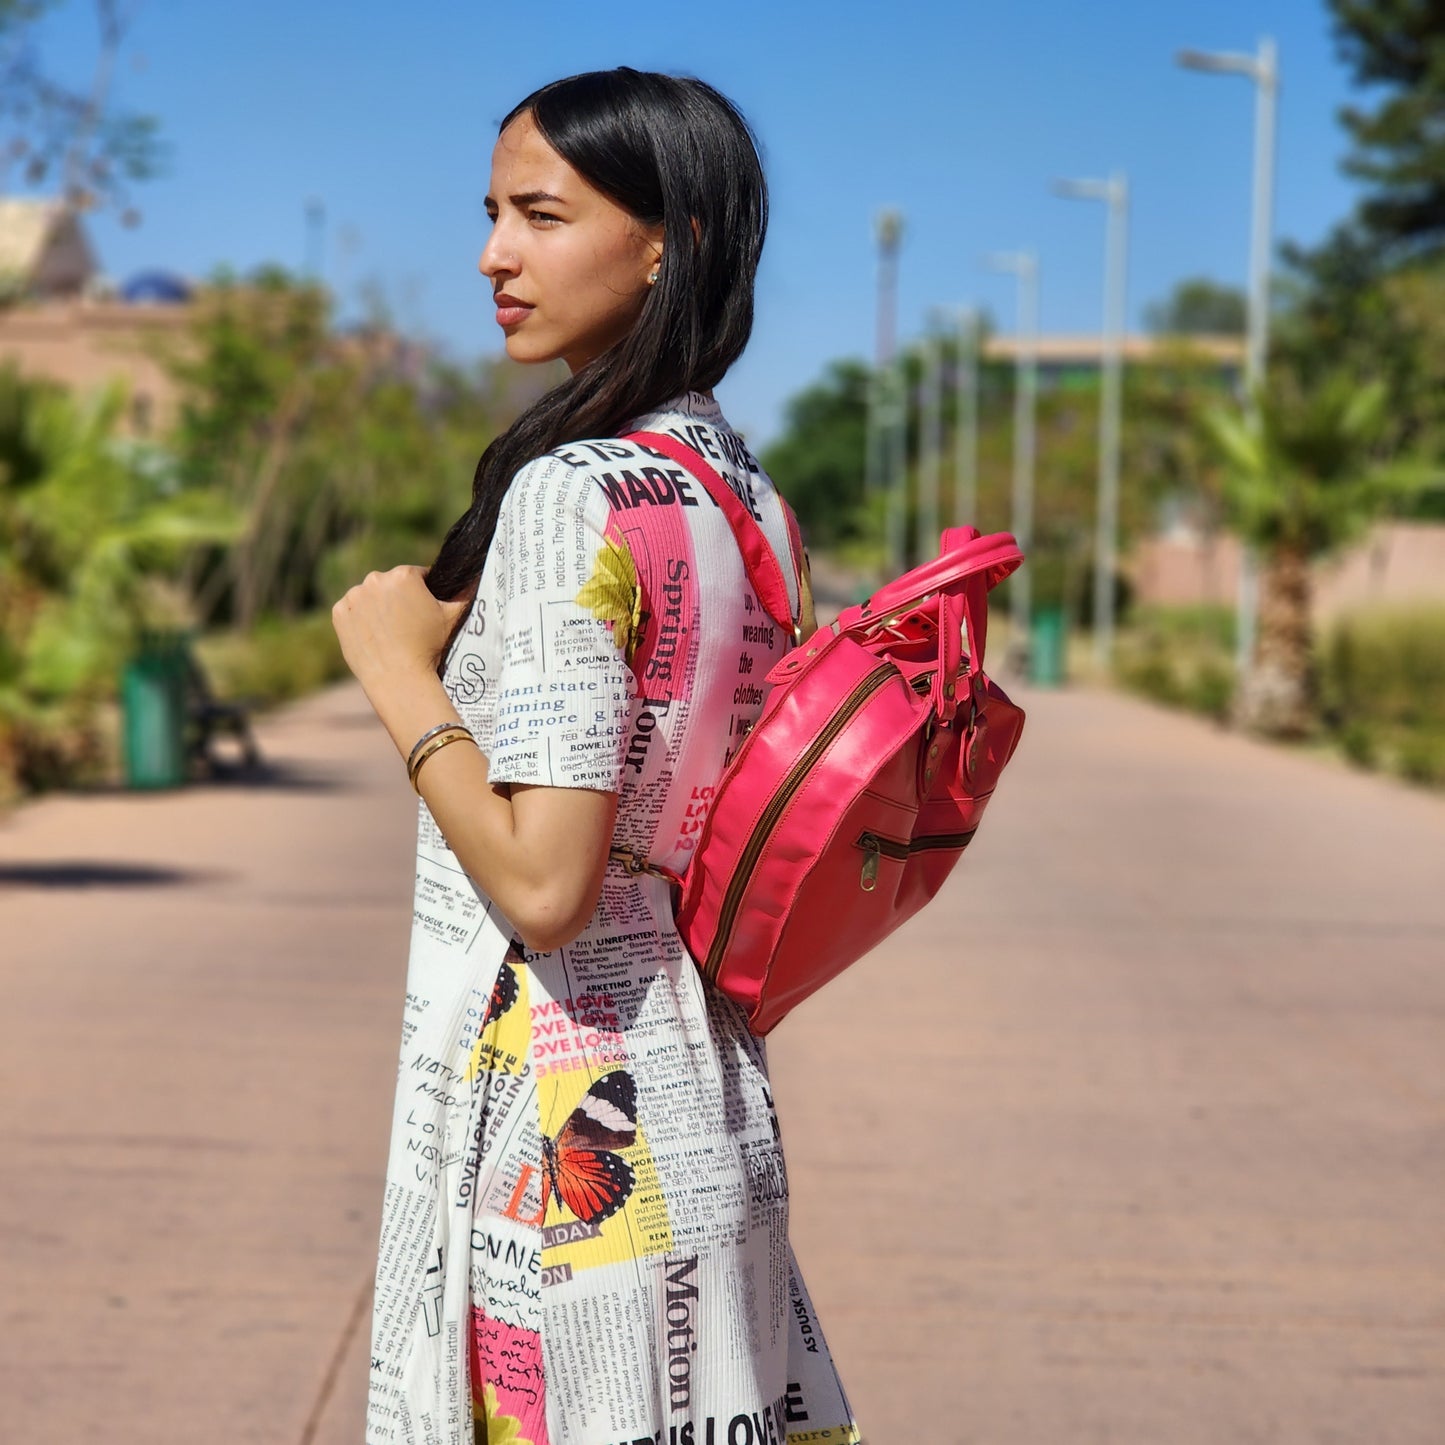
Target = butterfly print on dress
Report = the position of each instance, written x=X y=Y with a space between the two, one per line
x=580 y=1165
x=504 y=992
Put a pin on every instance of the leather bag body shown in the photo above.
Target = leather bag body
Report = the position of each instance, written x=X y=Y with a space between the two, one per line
x=864 y=779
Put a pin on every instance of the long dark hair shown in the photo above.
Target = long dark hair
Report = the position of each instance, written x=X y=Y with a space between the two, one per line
x=667 y=150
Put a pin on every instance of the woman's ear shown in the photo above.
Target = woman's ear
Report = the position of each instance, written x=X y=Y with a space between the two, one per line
x=652 y=254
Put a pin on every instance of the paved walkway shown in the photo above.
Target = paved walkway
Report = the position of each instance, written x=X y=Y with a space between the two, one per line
x=1137 y=1136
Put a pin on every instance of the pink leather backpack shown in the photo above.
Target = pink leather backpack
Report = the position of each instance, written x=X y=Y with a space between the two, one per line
x=863 y=780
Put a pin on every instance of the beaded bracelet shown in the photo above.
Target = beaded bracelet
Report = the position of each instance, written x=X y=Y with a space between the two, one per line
x=455 y=734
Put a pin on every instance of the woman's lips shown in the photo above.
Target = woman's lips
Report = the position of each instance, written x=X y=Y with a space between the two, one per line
x=510 y=312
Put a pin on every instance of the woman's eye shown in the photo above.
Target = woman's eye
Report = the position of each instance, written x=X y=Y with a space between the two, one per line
x=544 y=218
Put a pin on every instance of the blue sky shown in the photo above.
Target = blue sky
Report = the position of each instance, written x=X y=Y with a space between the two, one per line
x=960 y=114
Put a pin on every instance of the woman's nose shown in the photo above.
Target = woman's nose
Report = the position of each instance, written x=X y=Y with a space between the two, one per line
x=496 y=258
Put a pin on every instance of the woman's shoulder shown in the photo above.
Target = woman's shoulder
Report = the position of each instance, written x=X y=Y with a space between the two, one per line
x=603 y=467
x=569 y=475
x=583 y=460
x=618 y=471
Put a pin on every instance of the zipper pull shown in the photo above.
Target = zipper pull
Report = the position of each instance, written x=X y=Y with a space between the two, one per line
x=869 y=879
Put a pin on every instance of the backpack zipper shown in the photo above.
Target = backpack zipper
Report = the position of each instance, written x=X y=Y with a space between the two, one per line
x=874 y=846
x=747 y=859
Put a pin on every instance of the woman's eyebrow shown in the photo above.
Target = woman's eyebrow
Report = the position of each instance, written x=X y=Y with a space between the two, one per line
x=530 y=198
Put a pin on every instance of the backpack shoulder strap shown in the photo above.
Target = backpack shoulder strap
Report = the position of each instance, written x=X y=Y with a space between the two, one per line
x=761 y=562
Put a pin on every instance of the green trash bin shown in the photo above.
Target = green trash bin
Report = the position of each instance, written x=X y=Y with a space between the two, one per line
x=153 y=707
x=1047 y=640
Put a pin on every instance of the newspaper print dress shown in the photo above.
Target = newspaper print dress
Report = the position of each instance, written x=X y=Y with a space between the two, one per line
x=585 y=1226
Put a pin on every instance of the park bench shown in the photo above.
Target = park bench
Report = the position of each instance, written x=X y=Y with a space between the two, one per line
x=209 y=718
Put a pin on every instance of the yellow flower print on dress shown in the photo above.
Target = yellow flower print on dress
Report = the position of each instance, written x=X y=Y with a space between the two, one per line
x=612 y=595
x=494 y=1428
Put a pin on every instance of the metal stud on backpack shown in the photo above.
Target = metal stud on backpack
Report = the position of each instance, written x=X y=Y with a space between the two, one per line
x=863 y=780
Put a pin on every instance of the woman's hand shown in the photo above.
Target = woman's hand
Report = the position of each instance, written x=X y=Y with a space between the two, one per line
x=508 y=839
x=391 y=627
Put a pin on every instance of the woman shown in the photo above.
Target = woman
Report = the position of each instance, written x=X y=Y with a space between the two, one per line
x=584 y=1235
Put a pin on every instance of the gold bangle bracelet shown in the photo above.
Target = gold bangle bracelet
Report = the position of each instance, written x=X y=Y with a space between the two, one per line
x=426 y=737
x=435 y=746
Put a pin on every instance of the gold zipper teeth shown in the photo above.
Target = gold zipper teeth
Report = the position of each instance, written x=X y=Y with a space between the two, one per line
x=747 y=861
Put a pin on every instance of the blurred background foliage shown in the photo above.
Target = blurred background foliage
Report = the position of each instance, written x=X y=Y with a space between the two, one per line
x=301 y=458
x=303 y=455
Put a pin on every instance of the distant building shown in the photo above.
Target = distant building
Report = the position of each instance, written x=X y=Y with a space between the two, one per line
x=57 y=322
x=1068 y=361
x=1396 y=564
x=87 y=345
x=44 y=253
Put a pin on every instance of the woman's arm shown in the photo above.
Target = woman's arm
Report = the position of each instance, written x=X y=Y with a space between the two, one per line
x=538 y=852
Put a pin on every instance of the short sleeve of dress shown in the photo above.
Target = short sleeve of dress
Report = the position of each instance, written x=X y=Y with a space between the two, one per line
x=566 y=596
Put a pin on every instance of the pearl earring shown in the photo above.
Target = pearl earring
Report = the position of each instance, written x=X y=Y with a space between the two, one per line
x=652 y=280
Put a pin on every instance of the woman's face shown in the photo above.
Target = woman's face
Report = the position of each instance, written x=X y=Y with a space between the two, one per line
x=568 y=265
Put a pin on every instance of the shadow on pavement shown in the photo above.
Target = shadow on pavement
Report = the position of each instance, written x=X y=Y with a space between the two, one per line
x=282 y=777
x=85 y=873
x=263 y=776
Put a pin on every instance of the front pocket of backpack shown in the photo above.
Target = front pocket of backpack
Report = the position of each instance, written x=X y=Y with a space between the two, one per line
x=884 y=859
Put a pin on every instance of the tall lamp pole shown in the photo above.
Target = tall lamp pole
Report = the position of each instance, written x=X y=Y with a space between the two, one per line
x=315 y=237
x=886 y=441
x=1115 y=194
x=888 y=232
x=965 y=435
x=930 y=441
x=1025 y=266
x=1263 y=69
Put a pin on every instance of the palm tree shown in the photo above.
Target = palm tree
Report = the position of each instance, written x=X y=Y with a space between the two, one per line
x=1300 y=481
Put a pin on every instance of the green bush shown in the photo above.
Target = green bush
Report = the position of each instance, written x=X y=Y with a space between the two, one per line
x=281 y=659
x=1205 y=624
x=1180 y=656
x=1382 y=689
x=1420 y=758
x=1211 y=690
x=1360 y=743
x=1386 y=665
x=1153 y=675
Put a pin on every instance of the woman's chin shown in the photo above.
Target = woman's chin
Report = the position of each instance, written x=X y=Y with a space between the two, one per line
x=528 y=352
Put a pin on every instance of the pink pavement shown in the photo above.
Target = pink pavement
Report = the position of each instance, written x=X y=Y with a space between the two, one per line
x=1134 y=1136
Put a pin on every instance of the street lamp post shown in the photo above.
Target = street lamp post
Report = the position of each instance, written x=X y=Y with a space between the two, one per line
x=965 y=435
x=884 y=458
x=888 y=231
x=930 y=441
x=1263 y=69
x=1115 y=193
x=315 y=238
x=1025 y=266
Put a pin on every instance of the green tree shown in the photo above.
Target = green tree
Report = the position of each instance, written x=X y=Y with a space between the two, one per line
x=1385 y=326
x=1198 y=307
x=1332 y=313
x=342 y=452
x=1399 y=145
x=819 y=460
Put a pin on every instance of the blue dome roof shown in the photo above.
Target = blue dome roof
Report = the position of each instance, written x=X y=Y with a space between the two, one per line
x=156 y=286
